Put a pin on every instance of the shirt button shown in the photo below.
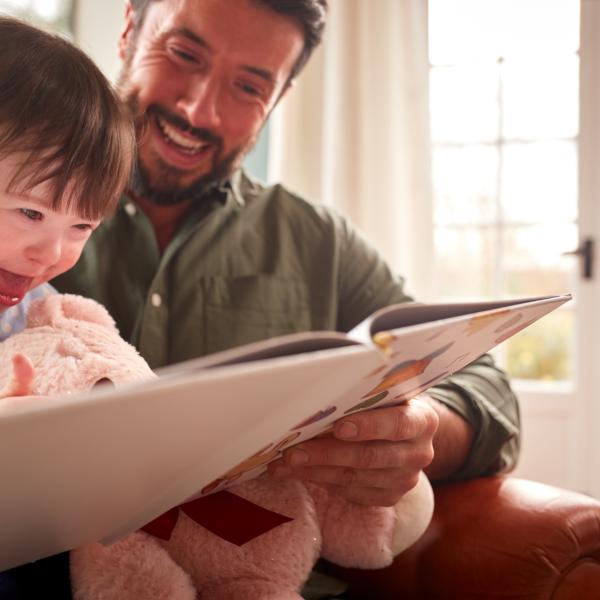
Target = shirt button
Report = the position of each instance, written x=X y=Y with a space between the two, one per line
x=130 y=209
x=156 y=300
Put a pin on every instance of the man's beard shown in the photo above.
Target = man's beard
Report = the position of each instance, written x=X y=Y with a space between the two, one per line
x=162 y=186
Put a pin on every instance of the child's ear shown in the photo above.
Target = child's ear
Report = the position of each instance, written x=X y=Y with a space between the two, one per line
x=125 y=36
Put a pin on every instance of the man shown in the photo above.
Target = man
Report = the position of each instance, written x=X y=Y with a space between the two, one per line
x=200 y=257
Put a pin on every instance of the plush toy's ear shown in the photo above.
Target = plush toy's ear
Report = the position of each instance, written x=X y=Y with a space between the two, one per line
x=56 y=308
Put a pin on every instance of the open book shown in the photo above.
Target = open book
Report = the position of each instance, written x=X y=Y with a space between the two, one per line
x=97 y=466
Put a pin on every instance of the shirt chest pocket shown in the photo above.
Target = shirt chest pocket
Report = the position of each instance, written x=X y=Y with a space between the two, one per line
x=240 y=310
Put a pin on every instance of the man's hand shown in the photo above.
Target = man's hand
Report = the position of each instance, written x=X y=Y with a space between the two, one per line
x=372 y=458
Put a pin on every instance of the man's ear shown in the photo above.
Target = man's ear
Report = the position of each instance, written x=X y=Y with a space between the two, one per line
x=125 y=37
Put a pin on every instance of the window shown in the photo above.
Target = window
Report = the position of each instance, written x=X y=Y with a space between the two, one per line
x=504 y=94
x=53 y=14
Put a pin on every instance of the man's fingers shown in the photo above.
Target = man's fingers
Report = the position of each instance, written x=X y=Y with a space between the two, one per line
x=378 y=461
x=414 y=419
x=21 y=381
x=366 y=455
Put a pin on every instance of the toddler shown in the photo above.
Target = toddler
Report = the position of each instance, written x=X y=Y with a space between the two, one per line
x=66 y=147
x=66 y=151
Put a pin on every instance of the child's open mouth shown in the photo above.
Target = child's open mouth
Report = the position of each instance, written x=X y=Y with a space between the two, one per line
x=13 y=287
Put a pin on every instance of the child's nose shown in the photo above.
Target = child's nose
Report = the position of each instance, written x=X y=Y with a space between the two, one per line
x=46 y=251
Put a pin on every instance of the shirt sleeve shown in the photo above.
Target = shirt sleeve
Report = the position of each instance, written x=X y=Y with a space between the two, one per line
x=480 y=392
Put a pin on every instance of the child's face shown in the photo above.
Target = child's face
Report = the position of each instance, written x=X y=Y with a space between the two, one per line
x=36 y=242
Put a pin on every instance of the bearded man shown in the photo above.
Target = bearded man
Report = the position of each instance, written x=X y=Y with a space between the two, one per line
x=200 y=257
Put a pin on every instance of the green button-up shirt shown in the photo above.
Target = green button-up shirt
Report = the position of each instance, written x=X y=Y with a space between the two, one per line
x=250 y=262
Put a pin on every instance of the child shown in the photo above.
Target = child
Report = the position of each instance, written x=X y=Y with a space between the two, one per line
x=66 y=150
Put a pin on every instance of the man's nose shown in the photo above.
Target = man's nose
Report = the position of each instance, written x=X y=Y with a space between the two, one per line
x=200 y=104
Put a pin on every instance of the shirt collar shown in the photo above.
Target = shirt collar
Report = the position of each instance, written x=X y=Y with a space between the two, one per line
x=235 y=184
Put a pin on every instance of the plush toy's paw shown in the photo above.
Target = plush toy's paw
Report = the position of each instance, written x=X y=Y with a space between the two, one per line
x=135 y=568
x=354 y=535
x=414 y=512
x=369 y=537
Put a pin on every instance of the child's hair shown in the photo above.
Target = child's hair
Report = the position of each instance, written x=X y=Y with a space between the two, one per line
x=61 y=118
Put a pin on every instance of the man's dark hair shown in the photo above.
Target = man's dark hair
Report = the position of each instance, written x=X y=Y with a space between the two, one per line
x=62 y=121
x=308 y=14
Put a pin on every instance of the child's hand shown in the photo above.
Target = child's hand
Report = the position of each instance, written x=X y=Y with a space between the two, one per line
x=21 y=382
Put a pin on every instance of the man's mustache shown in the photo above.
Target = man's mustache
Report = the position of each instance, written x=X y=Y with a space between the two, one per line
x=204 y=135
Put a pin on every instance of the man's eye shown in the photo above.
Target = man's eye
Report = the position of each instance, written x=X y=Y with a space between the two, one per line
x=33 y=215
x=249 y=89
x=183 y=55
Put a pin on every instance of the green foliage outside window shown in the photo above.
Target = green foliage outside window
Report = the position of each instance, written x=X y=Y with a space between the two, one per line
x=543 y=351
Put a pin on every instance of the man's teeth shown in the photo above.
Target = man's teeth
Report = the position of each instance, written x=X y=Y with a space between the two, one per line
x=173 y=135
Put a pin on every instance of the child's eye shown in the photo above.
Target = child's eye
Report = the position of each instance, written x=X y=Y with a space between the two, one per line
x=33 y=215
x=84 y=227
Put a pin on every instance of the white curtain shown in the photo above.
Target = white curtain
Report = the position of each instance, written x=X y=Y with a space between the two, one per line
x=354 y=132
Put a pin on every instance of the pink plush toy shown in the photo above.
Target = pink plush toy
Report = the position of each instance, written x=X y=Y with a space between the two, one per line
x=71 y=344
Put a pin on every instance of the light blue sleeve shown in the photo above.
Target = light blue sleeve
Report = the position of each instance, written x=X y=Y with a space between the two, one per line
x=13 y=319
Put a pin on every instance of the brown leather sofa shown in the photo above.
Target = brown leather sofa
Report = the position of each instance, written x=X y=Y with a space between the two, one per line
x=492 y=538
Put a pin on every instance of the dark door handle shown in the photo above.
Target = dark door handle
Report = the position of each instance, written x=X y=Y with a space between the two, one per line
x=586 y=253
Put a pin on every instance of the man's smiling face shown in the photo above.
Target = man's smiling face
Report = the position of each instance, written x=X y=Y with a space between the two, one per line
x=202 y=76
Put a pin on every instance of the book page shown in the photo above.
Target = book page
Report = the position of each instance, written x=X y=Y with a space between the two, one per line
x=421 y=349
x=398 y=316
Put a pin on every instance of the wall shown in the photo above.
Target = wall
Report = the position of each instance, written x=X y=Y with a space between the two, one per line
x=97 y=26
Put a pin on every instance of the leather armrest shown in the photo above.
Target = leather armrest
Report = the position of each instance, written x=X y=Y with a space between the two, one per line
x=497 y=537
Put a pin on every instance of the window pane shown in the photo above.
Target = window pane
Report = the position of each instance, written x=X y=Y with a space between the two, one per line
x=14 y=5
x=543 y=351
x=533 y=262
x=464 y=103
x=504 y=110
x=464 y=261
x=540 y=99
x=501 y=28
x=466 y=181
x=49 y=10
x=52 y=14
x=539 y=182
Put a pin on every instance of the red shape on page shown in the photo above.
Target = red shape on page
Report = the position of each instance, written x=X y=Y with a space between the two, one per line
x=232 y=518
x=162 y=527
